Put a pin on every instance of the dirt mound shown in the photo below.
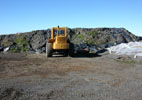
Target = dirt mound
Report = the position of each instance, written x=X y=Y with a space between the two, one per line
x=10 y=94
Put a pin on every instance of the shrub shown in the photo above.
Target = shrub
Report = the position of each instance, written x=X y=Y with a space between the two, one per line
x=21 y=44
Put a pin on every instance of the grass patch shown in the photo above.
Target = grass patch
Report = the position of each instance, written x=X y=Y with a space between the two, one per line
x=87 y=38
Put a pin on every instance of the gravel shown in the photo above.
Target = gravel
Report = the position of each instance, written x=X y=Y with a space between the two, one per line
x=35 y=77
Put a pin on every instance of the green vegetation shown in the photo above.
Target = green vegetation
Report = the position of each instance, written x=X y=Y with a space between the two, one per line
x=90 y=41
x=87 y=38
x=80 y=36
x=90 y=33
x=21 y=44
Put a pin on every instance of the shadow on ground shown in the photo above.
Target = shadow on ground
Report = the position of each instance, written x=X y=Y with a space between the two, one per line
x=82 y=55
x=87 y=54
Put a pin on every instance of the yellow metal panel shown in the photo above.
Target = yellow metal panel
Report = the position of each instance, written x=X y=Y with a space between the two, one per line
x=60 y=46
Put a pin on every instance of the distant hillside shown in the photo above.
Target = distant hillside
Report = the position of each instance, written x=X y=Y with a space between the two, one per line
x=81 y=37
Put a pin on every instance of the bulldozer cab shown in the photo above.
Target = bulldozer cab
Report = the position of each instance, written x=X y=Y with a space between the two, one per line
x=58 y=31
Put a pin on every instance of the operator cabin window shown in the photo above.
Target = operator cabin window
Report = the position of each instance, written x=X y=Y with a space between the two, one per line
x=59 y=32
x=62 y=32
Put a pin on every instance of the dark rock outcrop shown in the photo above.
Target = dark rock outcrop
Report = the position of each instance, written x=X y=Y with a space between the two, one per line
x=82 y=38
x=101 y=36
x=97 y=39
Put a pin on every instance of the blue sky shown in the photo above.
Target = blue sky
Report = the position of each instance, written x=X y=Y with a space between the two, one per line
x=27 y=15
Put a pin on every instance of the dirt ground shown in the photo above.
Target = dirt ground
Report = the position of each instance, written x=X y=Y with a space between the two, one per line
x=104 y=77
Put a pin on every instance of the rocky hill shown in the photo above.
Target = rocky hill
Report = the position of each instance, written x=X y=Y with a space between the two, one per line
x=81 y=38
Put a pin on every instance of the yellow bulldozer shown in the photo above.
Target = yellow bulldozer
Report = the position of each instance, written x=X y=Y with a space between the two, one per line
x=57 y=42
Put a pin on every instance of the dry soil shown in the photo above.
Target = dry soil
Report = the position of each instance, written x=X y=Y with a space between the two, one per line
x=104 y=77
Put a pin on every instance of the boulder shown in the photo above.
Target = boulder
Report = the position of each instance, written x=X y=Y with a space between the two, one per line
x=38 y=40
